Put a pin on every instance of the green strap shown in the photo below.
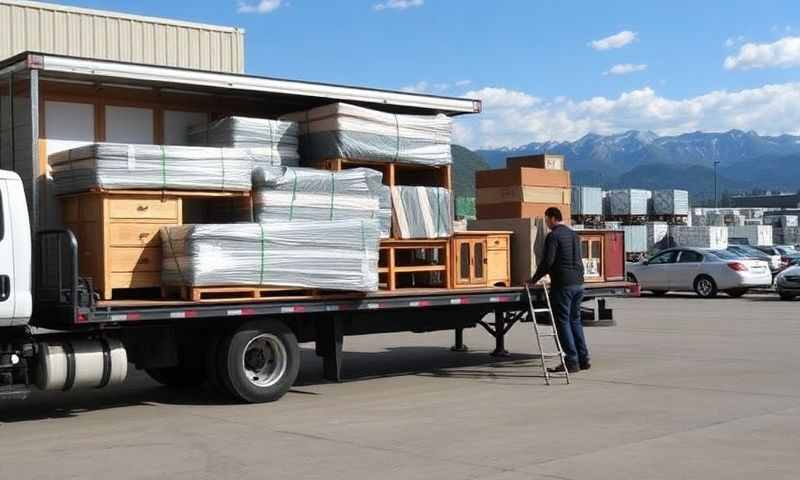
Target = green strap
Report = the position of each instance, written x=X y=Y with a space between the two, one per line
x=163 y=168
x=333 y=192
x=294 y=193
x=263 y=255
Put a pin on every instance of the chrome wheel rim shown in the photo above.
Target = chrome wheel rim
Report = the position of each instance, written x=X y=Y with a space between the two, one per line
x=264 y=360
x=704 y=286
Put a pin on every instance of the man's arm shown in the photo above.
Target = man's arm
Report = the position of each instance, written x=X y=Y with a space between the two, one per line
x=548 y=259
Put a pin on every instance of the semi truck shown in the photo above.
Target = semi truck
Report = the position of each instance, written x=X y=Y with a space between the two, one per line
x=57 y=335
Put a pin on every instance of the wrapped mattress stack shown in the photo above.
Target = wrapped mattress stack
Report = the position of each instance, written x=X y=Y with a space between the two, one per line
x=422 y=212
x=156 y=167
x=275 y=139
x=285 y=194
x=670 y=202
x=629 y=202
x=755 y=234
x=349 y=132
x=341 y=255
x=699 y=237
x=587 y=201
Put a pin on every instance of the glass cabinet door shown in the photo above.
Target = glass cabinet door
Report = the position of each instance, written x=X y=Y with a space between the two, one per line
x=479 y=259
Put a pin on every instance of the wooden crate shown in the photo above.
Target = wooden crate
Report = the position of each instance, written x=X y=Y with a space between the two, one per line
x=119 y=246
x=395 y=174
x=480 y=259
x=520 y=210
x=424 y=261
x=529 y=177
x=546 y=161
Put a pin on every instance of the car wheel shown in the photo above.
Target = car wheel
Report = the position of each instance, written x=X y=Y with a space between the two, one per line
x=659 y=293
x=736 y=292
x=705 y=287
x=787 y=296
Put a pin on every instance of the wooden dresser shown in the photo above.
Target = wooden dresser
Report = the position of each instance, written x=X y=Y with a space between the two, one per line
x=480 y=259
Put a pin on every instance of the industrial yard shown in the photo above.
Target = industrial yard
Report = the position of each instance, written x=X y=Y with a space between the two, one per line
x=709 y=395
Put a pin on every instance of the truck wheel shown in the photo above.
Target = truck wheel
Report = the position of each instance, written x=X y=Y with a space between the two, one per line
x=260 y=361
x=177 y=377
x=705 y=286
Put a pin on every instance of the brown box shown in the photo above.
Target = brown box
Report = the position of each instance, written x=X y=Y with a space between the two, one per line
x=530 y=177
x=519 y=210
x=520 y=194
x=545 y=161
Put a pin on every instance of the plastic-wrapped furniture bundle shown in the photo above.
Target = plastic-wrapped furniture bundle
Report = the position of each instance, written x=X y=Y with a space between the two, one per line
x=346 y=131
x=289 y=194
x=587 y=200
x=628 y=202
x=125 y=166
x=422 y=212
x=670 y=202
x=277 y=139
x=340 y=255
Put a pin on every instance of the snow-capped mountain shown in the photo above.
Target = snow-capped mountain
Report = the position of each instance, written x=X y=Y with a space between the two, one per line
x=626 y=150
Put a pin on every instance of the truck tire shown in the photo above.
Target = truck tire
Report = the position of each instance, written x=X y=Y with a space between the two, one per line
x=177 y=377
x=705 y=286
x=259 y=362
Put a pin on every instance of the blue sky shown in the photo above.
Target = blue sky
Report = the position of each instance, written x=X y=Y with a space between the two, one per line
x=533 y=62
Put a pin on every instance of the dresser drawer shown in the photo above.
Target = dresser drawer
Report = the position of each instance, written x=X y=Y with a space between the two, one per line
x=134 y=234
x=144 y=208
x=135 y=280
x=132 y=259
x=498 y=242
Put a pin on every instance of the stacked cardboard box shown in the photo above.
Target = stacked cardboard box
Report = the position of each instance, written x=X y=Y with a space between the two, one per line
x=522 y=192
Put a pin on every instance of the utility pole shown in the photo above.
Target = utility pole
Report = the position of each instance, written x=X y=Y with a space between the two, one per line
x=716 y=198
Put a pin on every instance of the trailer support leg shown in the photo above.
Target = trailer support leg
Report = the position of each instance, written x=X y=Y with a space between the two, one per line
x=459 y=344
x=329 y=346
x=500 y=335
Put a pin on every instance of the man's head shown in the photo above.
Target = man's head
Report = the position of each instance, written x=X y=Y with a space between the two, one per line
x=552 y=217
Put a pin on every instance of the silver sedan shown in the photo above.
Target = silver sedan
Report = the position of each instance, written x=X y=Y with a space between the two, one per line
x=706 y=272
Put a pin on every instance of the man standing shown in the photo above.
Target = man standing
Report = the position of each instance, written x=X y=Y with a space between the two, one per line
x=562 y=261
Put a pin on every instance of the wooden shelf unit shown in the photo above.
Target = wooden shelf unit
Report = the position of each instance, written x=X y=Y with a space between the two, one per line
x=395 y=174
x=118 y=233
x=480 y=259
x=426 y=261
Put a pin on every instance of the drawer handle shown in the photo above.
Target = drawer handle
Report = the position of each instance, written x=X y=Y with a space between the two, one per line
x=144 y=261
x=143 y=235
x=143 y=208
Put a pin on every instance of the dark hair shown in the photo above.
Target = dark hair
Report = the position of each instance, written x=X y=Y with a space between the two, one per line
x=553 y=213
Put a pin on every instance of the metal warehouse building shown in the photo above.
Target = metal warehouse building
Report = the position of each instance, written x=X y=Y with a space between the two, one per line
x=79 y=32
x=767 y=201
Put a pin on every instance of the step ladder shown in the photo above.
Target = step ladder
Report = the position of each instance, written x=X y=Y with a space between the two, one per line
x=547 y=332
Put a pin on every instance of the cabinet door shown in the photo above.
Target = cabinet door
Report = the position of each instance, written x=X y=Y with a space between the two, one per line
x=478 y=262
x=614 y=256
x=463 y=253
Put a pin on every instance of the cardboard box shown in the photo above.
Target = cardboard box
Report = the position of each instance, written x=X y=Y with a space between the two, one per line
x=522 y=194
x=520 y=210
x=530 y=177
x=545 y=161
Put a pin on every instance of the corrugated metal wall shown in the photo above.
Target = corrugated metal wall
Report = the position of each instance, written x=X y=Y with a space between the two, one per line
x=48 y=28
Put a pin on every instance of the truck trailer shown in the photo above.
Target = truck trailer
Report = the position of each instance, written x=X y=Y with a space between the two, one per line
x=57 y=335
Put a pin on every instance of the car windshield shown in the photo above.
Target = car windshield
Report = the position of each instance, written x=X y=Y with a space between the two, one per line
x=724 y=254
x=752 y=251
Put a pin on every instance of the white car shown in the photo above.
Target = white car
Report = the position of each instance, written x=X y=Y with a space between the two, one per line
x=788 y=283
x=706 y=272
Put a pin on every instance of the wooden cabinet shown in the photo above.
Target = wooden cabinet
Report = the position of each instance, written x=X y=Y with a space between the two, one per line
x=603 y=254
x=118 y=236
x=480 y=259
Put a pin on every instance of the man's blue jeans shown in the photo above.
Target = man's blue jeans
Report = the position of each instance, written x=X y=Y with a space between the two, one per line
x=566 y=303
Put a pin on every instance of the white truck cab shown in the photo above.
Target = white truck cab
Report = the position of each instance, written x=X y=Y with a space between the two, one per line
x=15 y=253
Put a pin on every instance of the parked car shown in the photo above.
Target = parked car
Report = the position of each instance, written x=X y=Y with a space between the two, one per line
x=788 y=282
x=703 y=271
x=787 y=252
x=746 y=251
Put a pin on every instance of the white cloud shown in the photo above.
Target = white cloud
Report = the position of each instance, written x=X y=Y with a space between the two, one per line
x=618 y=40
x=625 y=68
x=263 y=6
x=731 y=42
x=398 y=4
x=463 y=83
x=513 y=118
x=784 y=53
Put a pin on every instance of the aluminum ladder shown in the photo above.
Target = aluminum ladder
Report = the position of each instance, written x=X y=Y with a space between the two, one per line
x=550 y=333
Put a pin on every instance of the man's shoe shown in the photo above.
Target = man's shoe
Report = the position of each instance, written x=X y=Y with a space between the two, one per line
x=585 y=365
x=560 y=369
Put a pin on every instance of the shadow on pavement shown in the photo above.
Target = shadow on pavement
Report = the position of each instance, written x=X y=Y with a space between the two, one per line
x=141 y=391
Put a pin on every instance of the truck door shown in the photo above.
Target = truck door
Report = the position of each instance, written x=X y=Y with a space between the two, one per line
x=6 y=259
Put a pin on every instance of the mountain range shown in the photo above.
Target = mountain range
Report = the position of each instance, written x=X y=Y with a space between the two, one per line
x=746 y=160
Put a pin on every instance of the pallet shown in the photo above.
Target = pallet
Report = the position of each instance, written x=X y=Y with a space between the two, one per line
x=395 y=174
x=236 y=293
x=394 y=261
x=167 y=193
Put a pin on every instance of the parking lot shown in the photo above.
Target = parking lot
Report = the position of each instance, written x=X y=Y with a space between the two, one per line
x=680 y=388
